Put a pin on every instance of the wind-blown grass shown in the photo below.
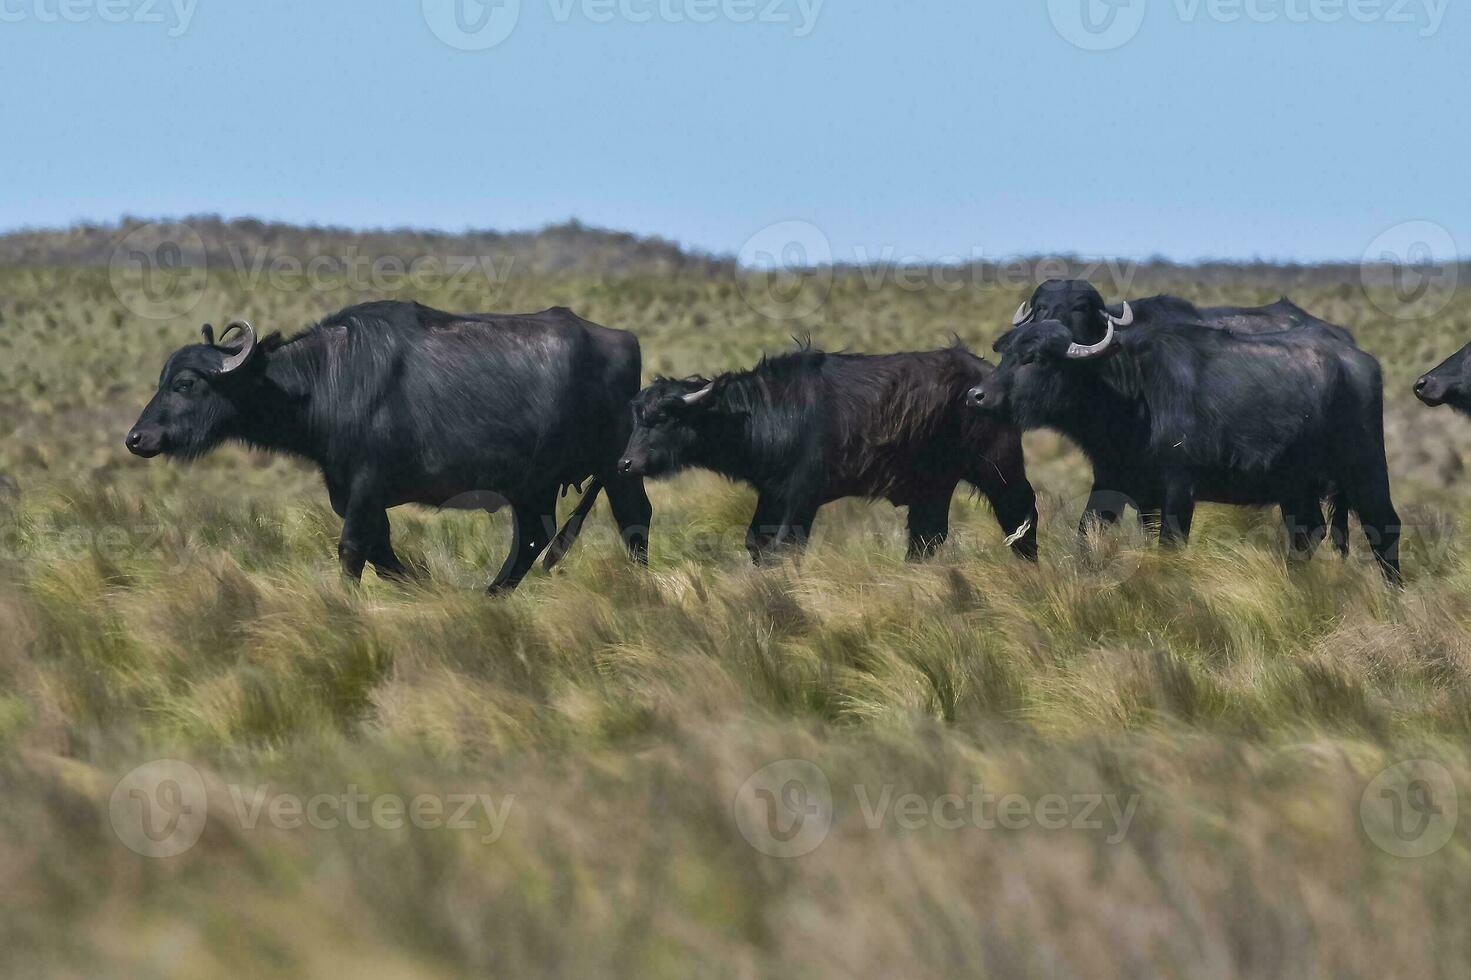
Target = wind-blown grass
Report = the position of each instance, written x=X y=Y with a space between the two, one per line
x=151 y=611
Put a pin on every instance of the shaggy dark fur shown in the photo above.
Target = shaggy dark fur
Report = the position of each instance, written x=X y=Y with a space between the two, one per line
x=810 y=427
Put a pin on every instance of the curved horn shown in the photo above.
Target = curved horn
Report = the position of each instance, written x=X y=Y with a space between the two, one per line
x=1123 y=319
x=208 y=333
x=1081 y=352
x=241 y=349
x=1023 y=314
x=695 y=397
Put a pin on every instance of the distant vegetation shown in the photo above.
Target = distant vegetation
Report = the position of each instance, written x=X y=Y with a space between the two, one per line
x=155 y=611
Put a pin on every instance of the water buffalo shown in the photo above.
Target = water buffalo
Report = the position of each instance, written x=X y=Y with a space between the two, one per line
x=810 y=427
x=1079 y=305
x=399 y=403
x=1448 y=384
x=1169 y=412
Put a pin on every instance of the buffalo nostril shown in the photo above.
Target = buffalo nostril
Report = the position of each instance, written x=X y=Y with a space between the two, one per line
x=625 y=465
x=1420 y=385
x=133 y=439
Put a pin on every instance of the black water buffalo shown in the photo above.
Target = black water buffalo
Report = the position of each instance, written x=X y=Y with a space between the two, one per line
x=1076 y=303
x=1169 y=412
x=399 y=403
x=1448 y=384
x=810 y=427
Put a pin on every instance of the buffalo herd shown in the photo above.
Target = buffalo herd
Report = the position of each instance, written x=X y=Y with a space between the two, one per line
x=1171 y=404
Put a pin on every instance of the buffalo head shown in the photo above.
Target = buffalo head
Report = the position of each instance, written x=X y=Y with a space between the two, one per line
x=1073 y=302
x=196 y=405
x=668 y=418
x=1035 y=356
x=1448 y=384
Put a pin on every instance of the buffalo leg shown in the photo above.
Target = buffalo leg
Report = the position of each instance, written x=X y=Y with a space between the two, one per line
x=1306 y=527
x=1104 y=508
x=1015 y=506
x=530 y=533
x=1338 y=507
x=633 y=512
x=796 y=527
x=385 y=562
x=364 y=524
x=776 y=526
x=929 y=525
x=1381 y=525
x=1179 y=512
x=763 y=529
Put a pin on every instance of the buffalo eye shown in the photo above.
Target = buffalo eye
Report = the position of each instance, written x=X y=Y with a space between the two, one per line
x=1030 y=357
x=184 y=385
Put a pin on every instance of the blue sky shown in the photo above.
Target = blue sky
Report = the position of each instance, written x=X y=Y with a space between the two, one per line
x=1297 y=129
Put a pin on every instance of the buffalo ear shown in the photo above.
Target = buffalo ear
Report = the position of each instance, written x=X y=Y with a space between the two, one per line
x=1004 y=342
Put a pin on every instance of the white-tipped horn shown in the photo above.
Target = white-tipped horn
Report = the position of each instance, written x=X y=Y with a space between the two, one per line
x=1081 y=352
x=1023 y=314
x=695 y=397
x=1123 y=319
x=239 y=348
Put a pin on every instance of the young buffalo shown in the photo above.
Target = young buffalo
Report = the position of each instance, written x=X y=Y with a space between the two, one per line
x=399 y=403
x=1448 y=384
x=810 y=427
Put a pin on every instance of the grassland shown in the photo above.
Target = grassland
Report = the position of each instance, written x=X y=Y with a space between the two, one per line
x=1234 y=708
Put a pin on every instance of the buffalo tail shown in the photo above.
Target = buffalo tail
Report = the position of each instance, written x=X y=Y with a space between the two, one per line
x=567 y=536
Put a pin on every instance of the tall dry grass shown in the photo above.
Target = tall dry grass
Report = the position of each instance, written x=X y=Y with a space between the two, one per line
x=615 y=719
